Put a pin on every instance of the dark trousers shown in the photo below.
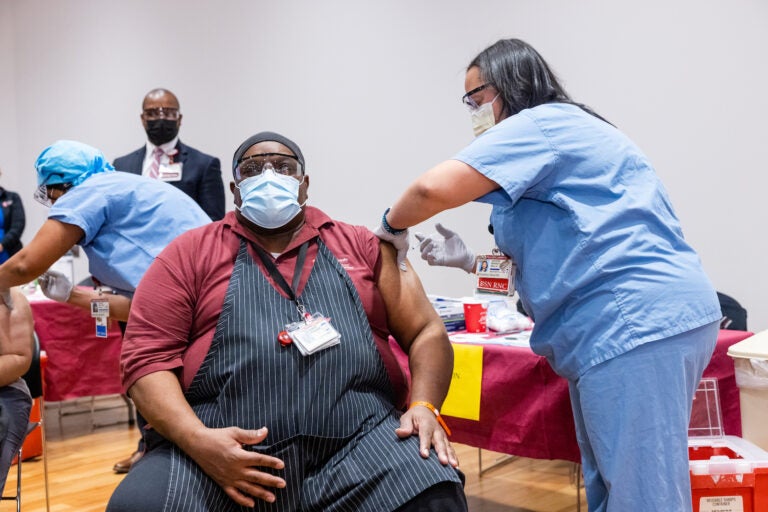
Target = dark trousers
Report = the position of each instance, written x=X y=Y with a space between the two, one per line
x=146 y=489
x=15 y=405
x=442 y=497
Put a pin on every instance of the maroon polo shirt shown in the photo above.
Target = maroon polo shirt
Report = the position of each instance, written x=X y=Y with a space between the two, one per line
x=178 y=301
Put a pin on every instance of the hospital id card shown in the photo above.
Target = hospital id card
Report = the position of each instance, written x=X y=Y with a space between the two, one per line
x=495 y=274
x=101 y=327
x=314 y=334
x=170 y=172
x=99 y=307
x=100 y=312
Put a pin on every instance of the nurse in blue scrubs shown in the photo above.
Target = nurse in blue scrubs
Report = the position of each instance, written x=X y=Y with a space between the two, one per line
x=622 y=306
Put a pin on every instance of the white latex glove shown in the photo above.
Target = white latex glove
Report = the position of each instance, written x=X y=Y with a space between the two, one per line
x=448 y=251
x=55 y=285
x=399 y=241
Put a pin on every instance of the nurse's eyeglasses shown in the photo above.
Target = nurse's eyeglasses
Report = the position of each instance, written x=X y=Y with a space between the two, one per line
x=469 y=101
x=254 y=165
x=48 y=194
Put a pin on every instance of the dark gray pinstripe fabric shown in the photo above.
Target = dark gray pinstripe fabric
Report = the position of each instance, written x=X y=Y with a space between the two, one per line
x=330 y=414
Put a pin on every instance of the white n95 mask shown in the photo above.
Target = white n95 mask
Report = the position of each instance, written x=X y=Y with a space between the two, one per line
x=269 y=200
x=482 y=117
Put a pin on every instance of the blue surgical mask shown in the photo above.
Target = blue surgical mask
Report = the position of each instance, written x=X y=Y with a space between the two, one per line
x=270 y=200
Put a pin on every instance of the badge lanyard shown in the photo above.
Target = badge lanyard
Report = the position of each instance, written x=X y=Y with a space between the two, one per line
x=278 y=277
x=312 y=332
x=283 y=337
x=100 y=312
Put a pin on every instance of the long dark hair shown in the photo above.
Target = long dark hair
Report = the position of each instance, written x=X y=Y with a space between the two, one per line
x=521 y=76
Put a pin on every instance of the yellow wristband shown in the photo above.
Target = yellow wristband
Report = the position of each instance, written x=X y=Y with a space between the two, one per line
x=434 y=410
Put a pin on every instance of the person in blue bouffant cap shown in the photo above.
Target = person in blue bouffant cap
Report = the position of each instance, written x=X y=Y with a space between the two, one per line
x=121 y=221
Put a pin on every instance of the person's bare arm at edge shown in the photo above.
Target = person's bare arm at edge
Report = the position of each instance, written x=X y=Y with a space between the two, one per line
x=50 y=243
x=16 y=338
x=418 y=329
x=447 y=185
x=218 y=451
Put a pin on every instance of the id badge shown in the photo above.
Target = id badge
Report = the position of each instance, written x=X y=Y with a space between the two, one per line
x=495 y=274
x=101 y=327
x=170 y=172
x=314 y=334
x=100 y=312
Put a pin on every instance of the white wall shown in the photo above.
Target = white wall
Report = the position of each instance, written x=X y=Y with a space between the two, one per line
x=370 y=91
x=8 y=140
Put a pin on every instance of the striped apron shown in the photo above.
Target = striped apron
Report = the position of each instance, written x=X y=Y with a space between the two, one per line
x=330 y=414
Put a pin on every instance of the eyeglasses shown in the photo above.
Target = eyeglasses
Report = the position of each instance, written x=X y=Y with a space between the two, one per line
x=281 y=163
x=161 y=113
x=469 y=101
x=49 y=194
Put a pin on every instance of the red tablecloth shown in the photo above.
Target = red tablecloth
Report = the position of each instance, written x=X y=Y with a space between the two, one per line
x=79 y=363
x=525 y=408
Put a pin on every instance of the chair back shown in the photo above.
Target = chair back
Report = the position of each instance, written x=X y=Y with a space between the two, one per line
x=734 y=315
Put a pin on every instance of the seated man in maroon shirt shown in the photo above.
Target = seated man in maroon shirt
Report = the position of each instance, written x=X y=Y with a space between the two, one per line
x=257 y=349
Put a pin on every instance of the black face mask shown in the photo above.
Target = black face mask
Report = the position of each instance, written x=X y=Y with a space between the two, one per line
x=160 y=131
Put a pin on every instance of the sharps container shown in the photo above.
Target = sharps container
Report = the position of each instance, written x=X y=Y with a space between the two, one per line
x=750 y=359
x=728 y=473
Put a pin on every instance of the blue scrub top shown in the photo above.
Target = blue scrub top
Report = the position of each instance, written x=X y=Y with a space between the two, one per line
x=602 y=264
x=127 y=220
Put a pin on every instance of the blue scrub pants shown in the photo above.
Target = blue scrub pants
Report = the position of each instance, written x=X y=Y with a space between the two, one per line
x=632 y=415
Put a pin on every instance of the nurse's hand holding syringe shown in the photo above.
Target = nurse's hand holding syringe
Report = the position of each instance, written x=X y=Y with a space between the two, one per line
x=446 y=249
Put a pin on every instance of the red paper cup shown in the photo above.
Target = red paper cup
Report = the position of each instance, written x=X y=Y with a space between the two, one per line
x=474 y=315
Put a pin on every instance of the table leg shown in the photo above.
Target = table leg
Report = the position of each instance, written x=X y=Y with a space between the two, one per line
x=500 y=461
x=576 y=480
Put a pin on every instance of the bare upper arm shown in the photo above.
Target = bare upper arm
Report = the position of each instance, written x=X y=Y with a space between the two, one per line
x=49 y=244
x=408 y=308
x=455 y=183
x=16 y=337
x=449 y=184
x=21 y=324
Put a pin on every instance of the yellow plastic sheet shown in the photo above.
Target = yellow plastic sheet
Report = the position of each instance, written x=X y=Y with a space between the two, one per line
x=463 y=400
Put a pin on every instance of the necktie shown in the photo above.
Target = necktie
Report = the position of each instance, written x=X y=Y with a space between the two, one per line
x=154 y=165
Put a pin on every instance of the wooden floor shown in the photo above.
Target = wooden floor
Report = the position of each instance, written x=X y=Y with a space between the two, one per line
x=81 y=479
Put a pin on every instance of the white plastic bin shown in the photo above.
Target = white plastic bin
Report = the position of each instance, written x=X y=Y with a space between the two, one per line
x=750 y=359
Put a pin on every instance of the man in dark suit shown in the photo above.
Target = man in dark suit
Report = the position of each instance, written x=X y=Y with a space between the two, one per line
x=12 y=222
x=166 y=158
